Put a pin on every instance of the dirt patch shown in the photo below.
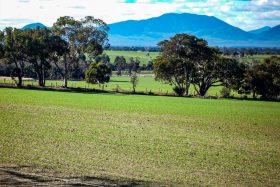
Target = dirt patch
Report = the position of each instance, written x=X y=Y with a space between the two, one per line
x=13 y=177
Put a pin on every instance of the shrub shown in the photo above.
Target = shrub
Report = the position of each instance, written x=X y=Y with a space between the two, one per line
x=225 y=92
x=179 y=90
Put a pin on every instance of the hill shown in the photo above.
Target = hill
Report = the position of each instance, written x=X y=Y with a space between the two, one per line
x=150 y=31
x=273 y=33
x=217 y=32
x=260 y=30
x=33 y=25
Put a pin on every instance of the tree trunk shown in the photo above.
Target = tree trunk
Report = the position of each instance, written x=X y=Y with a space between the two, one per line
x=65 y=82
x=65 y=77
x=40 y=77
x=203 y=89
x=187 y=88
x=19 y=74
x=19 y=83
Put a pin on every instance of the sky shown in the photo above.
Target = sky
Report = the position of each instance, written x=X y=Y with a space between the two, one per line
x=245 y=14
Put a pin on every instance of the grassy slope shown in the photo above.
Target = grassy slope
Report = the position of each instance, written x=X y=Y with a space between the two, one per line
x=165 y=140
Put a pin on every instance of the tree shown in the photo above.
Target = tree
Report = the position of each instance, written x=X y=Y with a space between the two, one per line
x=176 y=64
x=214 y=70
x=264 y=78
x=88 y=35
x=12 y=50
x=134 y=80
x=187 y=60
x=150 y=66
x=42 y=48
x=120 y=64
x=98 y=73
x=133 y=65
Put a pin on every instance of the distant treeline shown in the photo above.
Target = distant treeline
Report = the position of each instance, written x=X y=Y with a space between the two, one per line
x=225 y=50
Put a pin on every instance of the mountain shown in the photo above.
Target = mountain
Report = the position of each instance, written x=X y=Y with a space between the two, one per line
x=272 y=34
x=217 y=32
x=33 y=25
x=260 y=30
x=150 y=31
x=199 y=25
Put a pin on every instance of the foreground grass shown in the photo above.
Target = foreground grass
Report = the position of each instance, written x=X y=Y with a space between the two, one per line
x=155 y=139
x=159 y=140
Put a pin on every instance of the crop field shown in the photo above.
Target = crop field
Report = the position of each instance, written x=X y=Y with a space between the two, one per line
x=134 y=139
x=144 y=57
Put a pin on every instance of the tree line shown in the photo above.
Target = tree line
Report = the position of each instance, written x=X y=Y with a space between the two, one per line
x=69 y=46
x=187 y=60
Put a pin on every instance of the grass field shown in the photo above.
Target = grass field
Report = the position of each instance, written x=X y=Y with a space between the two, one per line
x=143 y=56
x=260 y=58
x=146 y=84
x=157 y=140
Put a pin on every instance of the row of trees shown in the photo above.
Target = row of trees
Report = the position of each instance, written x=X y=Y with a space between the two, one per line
x=228 y=51
x=187 y=60
x=69 y=43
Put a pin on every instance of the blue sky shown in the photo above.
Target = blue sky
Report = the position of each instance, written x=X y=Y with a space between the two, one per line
x=246 y=14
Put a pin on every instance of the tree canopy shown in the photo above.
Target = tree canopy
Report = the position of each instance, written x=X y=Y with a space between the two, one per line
x=186 y=59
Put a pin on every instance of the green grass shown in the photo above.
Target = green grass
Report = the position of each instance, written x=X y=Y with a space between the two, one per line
x=146 y=84
x=159 y=140
x=260 y=58
x=152 y=55
x=143 y=56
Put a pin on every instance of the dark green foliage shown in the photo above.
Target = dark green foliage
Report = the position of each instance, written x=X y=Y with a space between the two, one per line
x=120 y=64
x=225 y=92
x=133 y=65
x=264 y=78
x=88 y=35
x=175 y=64
x=98 y=73
x=134 y=80
x=187 y=60
x=179 y=90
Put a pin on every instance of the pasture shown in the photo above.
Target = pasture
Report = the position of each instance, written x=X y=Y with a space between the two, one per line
x=149 y=140
x=144 y=57
x=122 y=83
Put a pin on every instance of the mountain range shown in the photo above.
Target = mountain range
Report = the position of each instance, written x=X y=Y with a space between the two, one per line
x=150 y=31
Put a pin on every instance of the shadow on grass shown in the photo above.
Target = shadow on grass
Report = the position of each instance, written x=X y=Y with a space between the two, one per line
x=118 y=81
x=99 y=91
x=12 y=176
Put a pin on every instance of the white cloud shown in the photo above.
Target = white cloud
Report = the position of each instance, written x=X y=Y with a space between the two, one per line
x=244 y=14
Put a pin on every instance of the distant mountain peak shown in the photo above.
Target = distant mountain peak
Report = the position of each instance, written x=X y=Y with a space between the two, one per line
x=260 y=30
x=34 y=25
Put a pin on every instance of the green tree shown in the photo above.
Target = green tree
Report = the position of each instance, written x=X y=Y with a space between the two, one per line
x=12 y=50
x=214 y=70
x=120 y=64
x=98 y=73
x=43 y=48
x=133 y=65
x=85 y=36
x=264 y=78
x=134 y=80
x=176 y=64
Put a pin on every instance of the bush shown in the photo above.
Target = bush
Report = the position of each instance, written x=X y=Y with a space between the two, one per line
x=225 y=92
x=179 y=90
